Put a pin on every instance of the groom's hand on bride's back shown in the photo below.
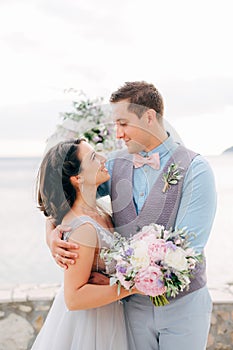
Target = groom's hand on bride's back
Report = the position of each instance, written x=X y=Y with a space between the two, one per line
x=98 y=278
x=58 y=247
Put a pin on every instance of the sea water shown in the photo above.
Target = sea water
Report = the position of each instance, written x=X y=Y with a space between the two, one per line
x=25 y=257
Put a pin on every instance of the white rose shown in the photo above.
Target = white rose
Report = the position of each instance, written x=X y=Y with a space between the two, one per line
x=140 y=256
x=176 y=259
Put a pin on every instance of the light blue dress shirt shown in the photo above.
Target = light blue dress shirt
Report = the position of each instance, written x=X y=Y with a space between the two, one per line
x=198 y=202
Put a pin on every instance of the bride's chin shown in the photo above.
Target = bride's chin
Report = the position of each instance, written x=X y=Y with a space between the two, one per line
x=104 y=179
x=107 y=177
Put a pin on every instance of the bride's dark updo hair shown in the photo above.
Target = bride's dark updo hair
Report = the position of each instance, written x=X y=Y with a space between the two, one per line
x=55 y=193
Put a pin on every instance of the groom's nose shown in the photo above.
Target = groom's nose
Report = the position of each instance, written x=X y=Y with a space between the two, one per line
x=119 y=132
x=103 y=159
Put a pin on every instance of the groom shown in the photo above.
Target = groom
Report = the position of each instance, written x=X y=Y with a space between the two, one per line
x=139 y=197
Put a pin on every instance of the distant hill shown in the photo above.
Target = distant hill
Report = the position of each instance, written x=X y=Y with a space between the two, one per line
x=228 y=150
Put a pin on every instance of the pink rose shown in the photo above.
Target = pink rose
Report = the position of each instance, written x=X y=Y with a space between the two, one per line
x=149 y=281
x=147 y=231
x=141 y=235
x=157 y=250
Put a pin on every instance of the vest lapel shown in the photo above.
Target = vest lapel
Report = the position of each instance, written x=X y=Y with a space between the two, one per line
x=166 y=205
x=122 y=190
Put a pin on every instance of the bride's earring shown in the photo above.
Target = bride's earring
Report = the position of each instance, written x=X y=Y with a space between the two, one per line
x=80 y=182
x=81 y=187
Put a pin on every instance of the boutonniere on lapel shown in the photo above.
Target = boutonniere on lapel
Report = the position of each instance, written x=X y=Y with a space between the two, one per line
x=172 y=176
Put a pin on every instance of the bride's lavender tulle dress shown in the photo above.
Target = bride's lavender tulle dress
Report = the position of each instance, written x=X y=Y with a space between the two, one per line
x=102 y=328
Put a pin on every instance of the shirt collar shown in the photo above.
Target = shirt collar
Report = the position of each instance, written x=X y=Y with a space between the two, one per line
x=163 y=149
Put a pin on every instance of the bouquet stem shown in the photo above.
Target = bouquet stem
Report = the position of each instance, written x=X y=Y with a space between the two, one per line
x=160 y=300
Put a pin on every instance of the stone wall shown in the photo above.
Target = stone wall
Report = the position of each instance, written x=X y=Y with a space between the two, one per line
x=24 y=308
x=221 y=330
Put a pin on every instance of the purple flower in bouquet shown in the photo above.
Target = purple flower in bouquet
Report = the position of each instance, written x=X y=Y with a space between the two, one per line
x=121 y=269
x=129 y=251
x=171 y=245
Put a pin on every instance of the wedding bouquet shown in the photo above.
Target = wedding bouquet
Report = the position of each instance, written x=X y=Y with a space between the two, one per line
x=156 y=261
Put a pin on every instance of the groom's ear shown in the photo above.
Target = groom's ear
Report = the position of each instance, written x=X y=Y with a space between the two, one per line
x=150 y=116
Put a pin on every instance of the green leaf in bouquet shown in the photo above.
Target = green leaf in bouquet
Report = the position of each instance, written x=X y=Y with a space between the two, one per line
x=113 y=280
x=199 y=258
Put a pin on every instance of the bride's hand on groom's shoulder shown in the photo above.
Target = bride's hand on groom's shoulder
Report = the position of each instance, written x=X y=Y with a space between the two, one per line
x=64 y=253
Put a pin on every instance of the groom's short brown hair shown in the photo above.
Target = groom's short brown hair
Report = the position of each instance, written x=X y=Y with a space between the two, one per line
x=140 y=96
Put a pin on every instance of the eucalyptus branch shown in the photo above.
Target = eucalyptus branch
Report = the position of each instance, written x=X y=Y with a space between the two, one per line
x=172 y=176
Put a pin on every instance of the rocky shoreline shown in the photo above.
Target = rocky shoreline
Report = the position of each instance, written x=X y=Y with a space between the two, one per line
x=23 y=309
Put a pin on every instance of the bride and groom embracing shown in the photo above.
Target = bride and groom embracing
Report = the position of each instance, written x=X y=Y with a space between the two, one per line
x=87 y=312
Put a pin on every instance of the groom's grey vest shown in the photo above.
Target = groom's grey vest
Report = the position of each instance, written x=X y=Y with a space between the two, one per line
x=160 y=208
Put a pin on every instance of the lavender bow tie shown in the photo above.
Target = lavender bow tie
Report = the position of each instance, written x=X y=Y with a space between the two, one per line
x=152 y=161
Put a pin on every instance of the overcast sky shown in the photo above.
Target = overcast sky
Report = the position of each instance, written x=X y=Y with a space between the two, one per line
x=48 y=46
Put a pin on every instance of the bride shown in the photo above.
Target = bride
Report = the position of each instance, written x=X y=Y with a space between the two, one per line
x=83 y=316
